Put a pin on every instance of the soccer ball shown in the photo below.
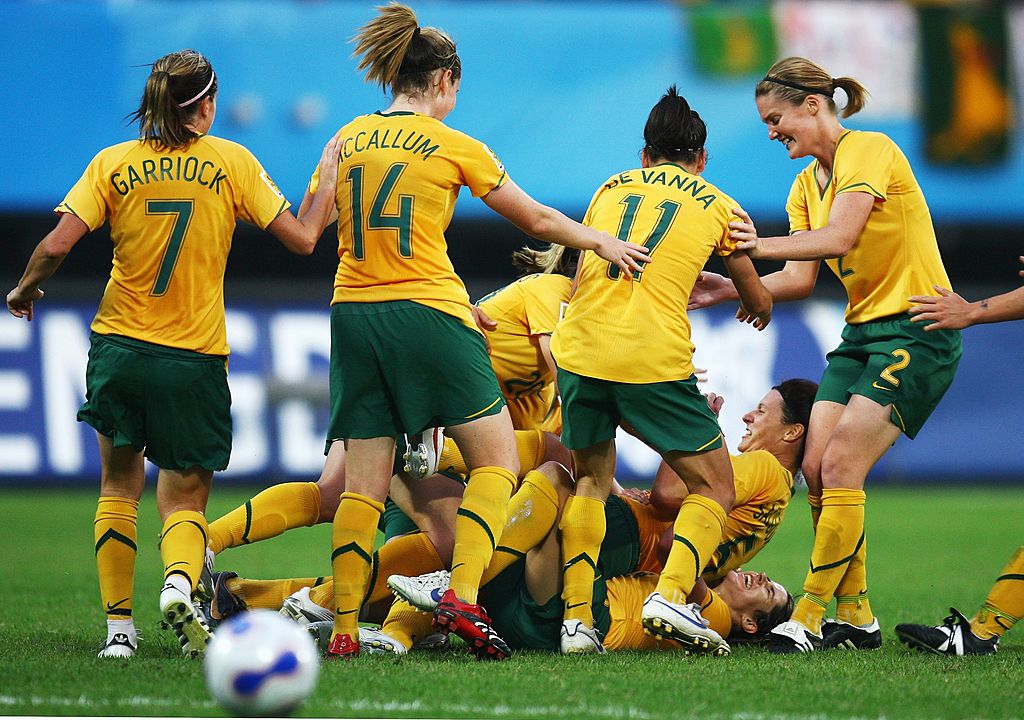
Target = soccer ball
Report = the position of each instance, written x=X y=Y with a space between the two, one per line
x=261 y=664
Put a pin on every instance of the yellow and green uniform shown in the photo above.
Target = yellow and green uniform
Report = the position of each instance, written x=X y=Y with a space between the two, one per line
x=638 y=332
x=525 y=310
x=883 y=355
x=405 y=352
x=172 y=215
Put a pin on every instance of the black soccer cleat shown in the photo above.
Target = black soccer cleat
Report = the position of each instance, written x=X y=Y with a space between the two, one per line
x=839 y=634
x=953 y=637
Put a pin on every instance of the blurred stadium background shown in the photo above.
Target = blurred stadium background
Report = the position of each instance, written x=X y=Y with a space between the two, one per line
x=560 y=91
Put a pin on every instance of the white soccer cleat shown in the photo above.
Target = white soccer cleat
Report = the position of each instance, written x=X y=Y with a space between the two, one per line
x=423 y=592
x=682 y=623
x=189 y=626
x=375 y=642
x=304 y=611
x=576 y=638
x=422 y=460
x=119 y=645
x=791 y=637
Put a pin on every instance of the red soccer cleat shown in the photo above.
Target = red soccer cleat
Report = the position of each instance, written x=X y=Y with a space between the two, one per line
x=471 y=623
x=342 y=647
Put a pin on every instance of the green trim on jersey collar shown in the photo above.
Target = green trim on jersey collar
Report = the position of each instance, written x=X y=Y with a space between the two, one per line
x=394 y=113
x=817 y=164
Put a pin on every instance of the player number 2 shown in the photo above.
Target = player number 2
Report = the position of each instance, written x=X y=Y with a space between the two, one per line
x=902 y=361
x=667 y=216
x=182 y=212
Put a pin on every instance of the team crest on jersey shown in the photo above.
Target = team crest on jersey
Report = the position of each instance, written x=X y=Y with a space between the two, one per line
x=270 y=184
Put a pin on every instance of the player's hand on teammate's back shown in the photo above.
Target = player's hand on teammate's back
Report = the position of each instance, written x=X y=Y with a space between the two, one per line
x=484 y=322
x=626 y=255
x=19 y=303
x=329 y=159
x=946 y=311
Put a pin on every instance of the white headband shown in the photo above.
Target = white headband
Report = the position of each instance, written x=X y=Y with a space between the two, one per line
x=201 y=93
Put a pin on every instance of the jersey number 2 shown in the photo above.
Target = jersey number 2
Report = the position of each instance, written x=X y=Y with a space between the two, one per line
x=402 y=222
x=182 y=212
x=668 y=210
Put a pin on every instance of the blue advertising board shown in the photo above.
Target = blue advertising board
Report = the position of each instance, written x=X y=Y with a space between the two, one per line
x=278 y=377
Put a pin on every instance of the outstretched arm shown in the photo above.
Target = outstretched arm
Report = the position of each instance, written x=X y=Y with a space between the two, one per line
x=949 y=311
x=545 y=223
x=45 y=260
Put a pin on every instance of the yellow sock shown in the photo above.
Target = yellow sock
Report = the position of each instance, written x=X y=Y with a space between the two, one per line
x=1004 y=605
x=451 y=458
x=268 y=514
x=406 y=624
x=532 y=512
x=116 y=536
x=531 y=445
x=408 y=555
x=717 y=614
x=815 y=502
x=852 y=603
x=582 y=527
x=183 y=545
x=478 y=526
x=355 y=528
x=837 y=540
x=269 y=594
x=697 y=532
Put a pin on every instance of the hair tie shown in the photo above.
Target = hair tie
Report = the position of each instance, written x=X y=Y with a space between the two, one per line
x=201 y=93
x=798 y=86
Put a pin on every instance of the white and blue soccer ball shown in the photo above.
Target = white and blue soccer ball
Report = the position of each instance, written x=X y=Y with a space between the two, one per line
x=260 y=663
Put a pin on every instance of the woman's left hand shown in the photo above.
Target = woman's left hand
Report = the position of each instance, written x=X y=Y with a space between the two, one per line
x=744 y=232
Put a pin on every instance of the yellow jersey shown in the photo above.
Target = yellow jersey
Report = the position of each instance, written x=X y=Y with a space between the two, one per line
x=763 y=491
x=172 y=215
x=524 y=310
x=399 y=176
x=637 y=331
x=896 y=255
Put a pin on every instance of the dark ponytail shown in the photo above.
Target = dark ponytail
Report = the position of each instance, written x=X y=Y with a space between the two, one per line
x=673 y=131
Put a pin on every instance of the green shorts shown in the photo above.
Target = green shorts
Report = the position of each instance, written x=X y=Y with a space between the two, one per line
x=669 y=416
x=400 y=367
x=893 y=361
x=173 y=404
x=526 y=624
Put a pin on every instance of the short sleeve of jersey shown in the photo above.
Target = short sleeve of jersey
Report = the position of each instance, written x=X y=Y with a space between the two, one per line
x=756 y=474
x=542 y=301
x=863 y=164
x=796 y=207
x=259 y=201
x=86 y=199
x=726 y=245
x=481 y=169
x=593 y=202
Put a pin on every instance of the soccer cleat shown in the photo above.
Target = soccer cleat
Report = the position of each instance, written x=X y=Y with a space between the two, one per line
x=321 y=633
x=433 y=641
x=423 y=592
x=953 y=637
x=224 y=603
x=119 y=645
x=422 y=458
x=682 y=623
x=204 y=588
x=839 y=634
x=374 y=642
x=471 y=623
x=304 y=611
x=792 y=637
x=188 y=625
x=342 y=647
x=576 y=638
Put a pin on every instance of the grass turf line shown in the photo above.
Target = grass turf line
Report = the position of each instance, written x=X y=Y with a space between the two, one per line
x=928 y=548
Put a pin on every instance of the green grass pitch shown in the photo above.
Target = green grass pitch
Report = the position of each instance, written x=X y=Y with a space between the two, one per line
x=929 y=548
